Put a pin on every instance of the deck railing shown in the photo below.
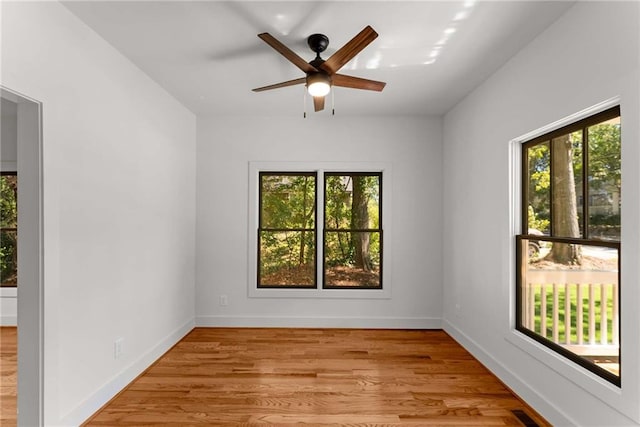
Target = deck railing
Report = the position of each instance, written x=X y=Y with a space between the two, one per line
x=571 y=308
x=578 y=310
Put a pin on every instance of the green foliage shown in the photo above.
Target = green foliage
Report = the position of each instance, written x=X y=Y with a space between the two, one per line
x=539 y=158
x=601 y=219
x=540 y=224
x=8 y=201
x=604 y=155
x=339 y=214
x=288 y=206
x=604 y=172
x=287 y=222
x=539 y=161
x=8 y=220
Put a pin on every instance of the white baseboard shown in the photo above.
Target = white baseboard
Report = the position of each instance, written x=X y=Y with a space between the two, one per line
x=319 y=322
x=101 y=396
x=512 y=380
x=8 y=320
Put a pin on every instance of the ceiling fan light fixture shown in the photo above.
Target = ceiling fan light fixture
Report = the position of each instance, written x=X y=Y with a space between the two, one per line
x=318 y=84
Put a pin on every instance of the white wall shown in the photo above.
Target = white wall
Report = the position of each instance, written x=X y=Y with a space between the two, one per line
x=589 y=55
x=8 y=163
x=411 y=145
x=9 y=136
x=119 y=206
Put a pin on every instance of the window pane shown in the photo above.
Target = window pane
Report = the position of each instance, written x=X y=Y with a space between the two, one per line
x=567 y=185
x=574 y=306
x=287 y=201
x=287 y=259
x=8 y=225
x=604 y=180
x=352 y=259
x=352 y=201
x=539 y=191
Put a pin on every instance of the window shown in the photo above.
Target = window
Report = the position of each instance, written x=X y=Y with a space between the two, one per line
x=568 y=255
x=287 y=230
x=9 y=229
x=352 y=233
x=293 y=253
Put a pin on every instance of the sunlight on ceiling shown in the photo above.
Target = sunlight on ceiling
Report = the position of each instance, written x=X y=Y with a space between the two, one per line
x=461 y=15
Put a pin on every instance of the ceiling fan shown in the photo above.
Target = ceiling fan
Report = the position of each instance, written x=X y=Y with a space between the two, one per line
x=321 y=74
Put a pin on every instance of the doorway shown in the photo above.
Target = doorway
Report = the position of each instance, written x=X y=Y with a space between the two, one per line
x=28 y=295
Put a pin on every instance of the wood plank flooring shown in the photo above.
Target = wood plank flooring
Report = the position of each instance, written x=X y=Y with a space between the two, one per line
x=8 y=375
x=318 y=377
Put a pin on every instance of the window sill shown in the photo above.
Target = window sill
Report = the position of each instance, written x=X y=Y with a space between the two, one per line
x=321 y=293
x=583 y=378
x=9 y=292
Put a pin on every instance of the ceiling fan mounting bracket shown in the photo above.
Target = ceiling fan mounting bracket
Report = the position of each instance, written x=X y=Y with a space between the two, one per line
x=318 y=43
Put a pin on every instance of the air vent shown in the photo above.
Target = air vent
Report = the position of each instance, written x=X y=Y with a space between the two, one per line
x=525 y=419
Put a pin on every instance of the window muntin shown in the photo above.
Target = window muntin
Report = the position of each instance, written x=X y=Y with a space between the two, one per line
x=352 y=233
x=568 y=275
x=287 y=230
x=9 y=229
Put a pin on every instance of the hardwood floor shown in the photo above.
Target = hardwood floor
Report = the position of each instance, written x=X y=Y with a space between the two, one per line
x=8 y=375
x=316 y=376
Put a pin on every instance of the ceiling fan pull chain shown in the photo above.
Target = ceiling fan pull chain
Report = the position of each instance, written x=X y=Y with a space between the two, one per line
x=333 y=102
x=304 y=103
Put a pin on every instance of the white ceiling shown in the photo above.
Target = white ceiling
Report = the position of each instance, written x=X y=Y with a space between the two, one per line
x=208 y=56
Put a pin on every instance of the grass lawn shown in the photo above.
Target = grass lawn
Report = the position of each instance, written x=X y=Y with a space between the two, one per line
x=573 y=299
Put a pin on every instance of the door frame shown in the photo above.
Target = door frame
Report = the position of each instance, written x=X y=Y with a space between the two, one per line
x=30 y=291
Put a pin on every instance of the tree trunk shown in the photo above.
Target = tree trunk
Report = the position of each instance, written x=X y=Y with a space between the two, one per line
x=360 y=220
x=565 y=211
x=304 y=222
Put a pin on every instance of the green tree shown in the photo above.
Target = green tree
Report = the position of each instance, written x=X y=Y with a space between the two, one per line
x=287 y=214
x=9 y=224
x=560 y=191
x=565 y=217
x=360 y=220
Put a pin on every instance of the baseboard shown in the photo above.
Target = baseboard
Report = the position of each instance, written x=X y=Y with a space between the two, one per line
x=105 y=393
x=319 y=322
x=8 y=320
x=512 y=380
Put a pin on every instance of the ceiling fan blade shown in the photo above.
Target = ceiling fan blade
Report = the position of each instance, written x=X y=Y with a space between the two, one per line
x=349 y=50
x=357 y=82
x=318 y=103
x=287 y=53
x=283 y=84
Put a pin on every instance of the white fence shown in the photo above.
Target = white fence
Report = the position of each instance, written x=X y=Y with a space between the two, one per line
x=588 y=288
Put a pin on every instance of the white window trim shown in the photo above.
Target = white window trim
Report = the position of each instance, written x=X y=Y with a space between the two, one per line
x=319 y=167
x=582 y=377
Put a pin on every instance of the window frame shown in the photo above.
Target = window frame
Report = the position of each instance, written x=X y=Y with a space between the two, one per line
x=320 y=167
x=583 y=125
x=525 y=143
x=262 y=229
x=326 y=229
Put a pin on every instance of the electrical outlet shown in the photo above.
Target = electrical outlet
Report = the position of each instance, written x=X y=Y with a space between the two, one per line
x=118 y=348
x=224 y=301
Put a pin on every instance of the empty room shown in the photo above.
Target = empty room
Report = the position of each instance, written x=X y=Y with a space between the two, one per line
x=324 y=213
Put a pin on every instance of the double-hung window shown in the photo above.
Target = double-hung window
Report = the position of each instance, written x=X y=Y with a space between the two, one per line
x=287 y=230
x=568 y=254
x=319 y=229
x=352 y=232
